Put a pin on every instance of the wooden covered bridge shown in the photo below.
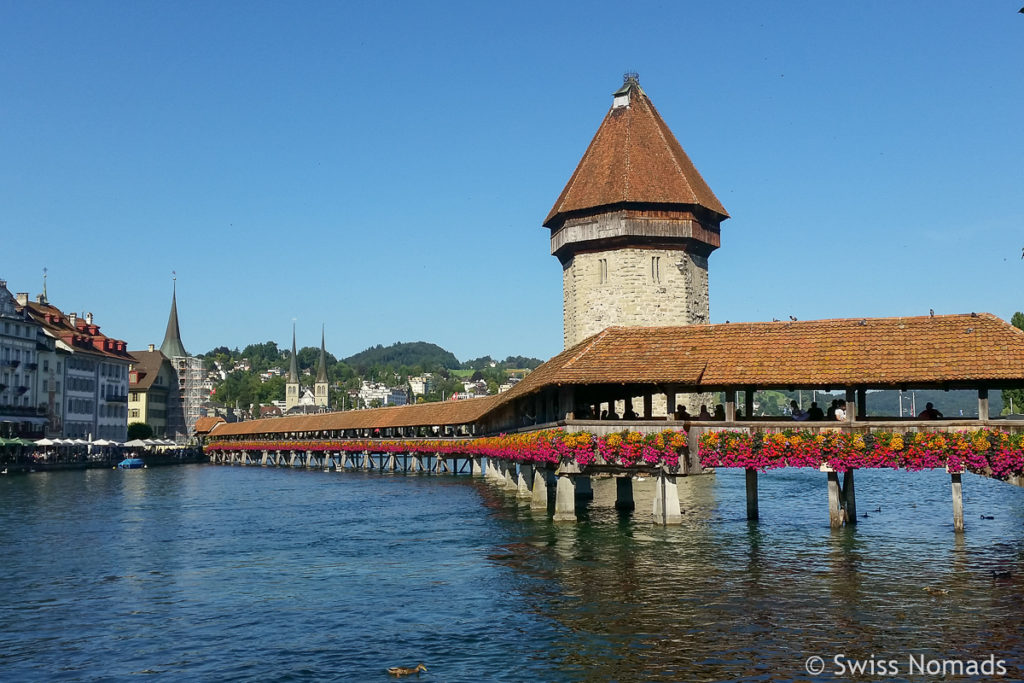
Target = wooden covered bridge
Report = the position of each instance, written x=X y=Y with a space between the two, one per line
x=644 y=372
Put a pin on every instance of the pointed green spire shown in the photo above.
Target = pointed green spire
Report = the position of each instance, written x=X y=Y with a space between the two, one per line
x=172 y=346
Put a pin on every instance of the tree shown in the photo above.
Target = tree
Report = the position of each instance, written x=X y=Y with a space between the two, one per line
x=139 y=430
x=1014 y=396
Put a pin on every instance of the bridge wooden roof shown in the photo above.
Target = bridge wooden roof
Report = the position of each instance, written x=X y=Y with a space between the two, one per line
x=969 y=350
x=635 y=159
x=422 y=414
x=965 y=350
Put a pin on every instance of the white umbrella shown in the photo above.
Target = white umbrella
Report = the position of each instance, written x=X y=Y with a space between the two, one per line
x=152 y=442
x=135 y=443
x=100 y=442
x=79 y=442
x=45 y=442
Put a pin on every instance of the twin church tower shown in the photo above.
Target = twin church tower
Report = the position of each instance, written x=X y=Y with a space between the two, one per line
x=293 y=396
x=634 y=226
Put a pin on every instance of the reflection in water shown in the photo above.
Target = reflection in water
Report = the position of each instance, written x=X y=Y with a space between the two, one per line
x=723 y=598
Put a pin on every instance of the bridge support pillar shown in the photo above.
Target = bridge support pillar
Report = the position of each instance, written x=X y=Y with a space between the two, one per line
x=392 y=465
x=523 y=481
x=958 y=501
x=849 y=498
x=752 y=511
x=265 y=458
x=624 y=493
x=476 y=467
x=367 y=463
x=510 y=476
x=584 y=488
x=835 y=507
x=539 y=494
x=565 y=499
x=666 y=500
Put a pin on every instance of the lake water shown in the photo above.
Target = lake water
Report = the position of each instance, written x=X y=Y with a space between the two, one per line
x=251 y=574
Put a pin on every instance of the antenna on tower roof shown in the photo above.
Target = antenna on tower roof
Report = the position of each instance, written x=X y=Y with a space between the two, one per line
x=630 y=76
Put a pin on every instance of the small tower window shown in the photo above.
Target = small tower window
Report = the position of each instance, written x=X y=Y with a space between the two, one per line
x=656 y=269
x=602 y=270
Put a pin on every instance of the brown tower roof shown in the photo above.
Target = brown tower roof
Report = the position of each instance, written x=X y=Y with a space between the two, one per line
x=634 y=159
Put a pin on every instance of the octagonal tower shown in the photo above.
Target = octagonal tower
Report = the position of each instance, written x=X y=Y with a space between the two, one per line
x=634 y=226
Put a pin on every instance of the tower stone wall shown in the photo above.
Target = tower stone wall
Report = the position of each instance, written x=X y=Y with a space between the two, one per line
x=633 y=286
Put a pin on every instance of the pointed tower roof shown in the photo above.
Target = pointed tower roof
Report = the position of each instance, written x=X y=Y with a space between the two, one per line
x=293 y=370
x=172 y=346
x=321 y=373
x=633 y=160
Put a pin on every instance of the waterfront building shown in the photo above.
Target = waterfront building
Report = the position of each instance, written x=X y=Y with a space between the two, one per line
x=24 y=407
x=85 y=374
x=152 y=390
x=634 y=226
x=370 y=392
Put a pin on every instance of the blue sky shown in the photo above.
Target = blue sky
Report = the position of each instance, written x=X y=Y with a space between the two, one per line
x=383 y=168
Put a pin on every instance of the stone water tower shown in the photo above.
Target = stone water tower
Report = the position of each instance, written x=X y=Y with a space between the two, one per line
x=634 y=226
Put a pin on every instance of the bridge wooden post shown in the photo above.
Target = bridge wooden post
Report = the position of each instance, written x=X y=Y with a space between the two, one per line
x=849 y=497
x=748 y=403
x=958 y=501
x=476 y=467
x=539 y=497
x=730 y=405
x=752 y=511
x=983 y=404
x=367 y=462
x=624 y=493
x=835 y=508
x=265 y=458
x=670 y=401
x=666 y=500
x=648 y=405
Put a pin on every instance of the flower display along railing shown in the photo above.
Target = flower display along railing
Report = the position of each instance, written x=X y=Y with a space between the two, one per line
x=982 y=451
x=629 y=449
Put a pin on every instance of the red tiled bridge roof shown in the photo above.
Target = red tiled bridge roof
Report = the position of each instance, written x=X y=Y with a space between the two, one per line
x=948 y=351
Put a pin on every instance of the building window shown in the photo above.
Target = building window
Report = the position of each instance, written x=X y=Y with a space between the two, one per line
x=602 y=271
x=656 y=269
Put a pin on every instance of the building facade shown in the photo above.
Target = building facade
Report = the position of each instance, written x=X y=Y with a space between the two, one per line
x=634 y=226
x=152 y=383
x=23 y=406
x=84 y=382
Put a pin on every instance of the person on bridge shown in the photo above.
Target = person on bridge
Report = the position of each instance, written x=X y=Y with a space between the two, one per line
x=798 y=414
x=929 y=413
x=815 y=413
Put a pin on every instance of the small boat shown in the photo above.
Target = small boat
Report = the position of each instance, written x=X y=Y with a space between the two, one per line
x=131 y=464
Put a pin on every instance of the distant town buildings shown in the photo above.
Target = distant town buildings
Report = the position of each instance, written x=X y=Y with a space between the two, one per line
x=379 y=394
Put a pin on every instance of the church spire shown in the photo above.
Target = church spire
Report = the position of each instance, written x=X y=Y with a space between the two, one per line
x=293 y=371
x=321 y=373
x=172 y=346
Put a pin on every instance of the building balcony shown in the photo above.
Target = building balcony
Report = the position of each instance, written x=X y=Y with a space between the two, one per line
x=22 y=390
x=22 y=411
x=115 y=398
x=32 y=366
x=12 y=363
